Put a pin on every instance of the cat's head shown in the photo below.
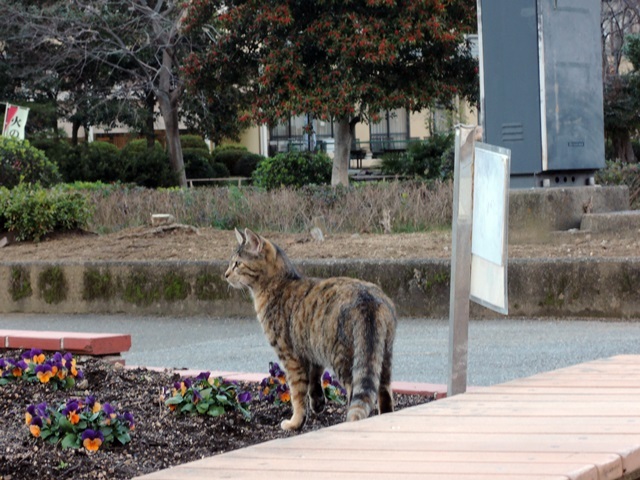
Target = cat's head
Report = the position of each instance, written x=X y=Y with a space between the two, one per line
x=257 y=260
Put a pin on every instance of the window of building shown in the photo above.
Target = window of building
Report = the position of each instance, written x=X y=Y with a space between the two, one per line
x=290 y=134
x=392 y=132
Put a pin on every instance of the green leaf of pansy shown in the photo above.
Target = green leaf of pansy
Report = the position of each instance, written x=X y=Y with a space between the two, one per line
x=70 y=441
x=175 y=400
x=215 y=411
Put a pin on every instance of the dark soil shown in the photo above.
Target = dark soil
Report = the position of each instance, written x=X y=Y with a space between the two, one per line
x=161 y=438
x=210 y=244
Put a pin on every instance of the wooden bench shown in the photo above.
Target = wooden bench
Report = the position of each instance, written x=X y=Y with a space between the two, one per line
x=74 y=342
x=238 y=180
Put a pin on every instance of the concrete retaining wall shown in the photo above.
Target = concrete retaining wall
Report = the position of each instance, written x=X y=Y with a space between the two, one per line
x=562 y=208
x=591 y=287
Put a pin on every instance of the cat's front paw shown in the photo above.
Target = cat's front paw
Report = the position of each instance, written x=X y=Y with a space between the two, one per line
x=291 y=424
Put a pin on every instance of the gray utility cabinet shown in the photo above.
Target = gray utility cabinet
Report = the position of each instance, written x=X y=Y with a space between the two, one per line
x=541 y=88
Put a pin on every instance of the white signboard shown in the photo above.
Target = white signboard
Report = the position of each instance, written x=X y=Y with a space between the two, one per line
x=490 y=227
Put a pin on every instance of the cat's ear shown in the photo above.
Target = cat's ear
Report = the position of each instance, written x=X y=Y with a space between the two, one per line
x=254 y=241
x=240 y=237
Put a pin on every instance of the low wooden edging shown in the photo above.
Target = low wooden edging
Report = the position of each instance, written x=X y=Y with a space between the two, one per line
x=107 y=345
x=579 y=423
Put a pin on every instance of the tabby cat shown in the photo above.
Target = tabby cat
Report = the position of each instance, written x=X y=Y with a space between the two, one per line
x=345 y=324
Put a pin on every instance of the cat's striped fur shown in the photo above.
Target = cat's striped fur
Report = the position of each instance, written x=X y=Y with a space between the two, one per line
x=341 y=323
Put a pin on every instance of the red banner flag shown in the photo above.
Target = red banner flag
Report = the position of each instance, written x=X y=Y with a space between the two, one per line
x=15 y=119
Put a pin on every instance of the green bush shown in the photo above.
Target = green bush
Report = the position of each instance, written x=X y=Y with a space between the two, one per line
x=431 y=159
x=228 y=146
x=31 y=211
x=102 y=160
x=69 y=160
x=246 y=164
x=87 y=162
x=293 y=169
x=193 y=141
x=219 y=170
x=59 y=151
x=620 y=173
x=228 y=157
x=20 y=162
x=148 y=167
x=197 y=163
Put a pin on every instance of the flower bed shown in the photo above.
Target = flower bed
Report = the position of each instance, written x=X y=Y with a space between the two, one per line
x=162 y=438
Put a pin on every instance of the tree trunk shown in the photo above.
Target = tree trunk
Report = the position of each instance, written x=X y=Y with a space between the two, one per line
x=172 y=129
x=149 y=130
x=168 y=96
x=342 y=152
x=623 y=148
x=75 y=128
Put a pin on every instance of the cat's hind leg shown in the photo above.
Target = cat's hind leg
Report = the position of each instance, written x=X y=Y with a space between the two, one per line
x=298 y=380
x=316 y=392
x=385 y=394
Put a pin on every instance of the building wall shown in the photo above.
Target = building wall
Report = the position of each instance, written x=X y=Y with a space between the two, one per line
x=420 y=124
x=250 y=138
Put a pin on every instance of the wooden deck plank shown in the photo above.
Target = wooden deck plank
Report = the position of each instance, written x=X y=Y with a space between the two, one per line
x=602 y=467
x=191 y=473
x=542 y=390
x=530 y=408
x=626 y=446
x=576 y=471
x=565 y=396
x=273 y=450
x=487 y=424
x=571 y=382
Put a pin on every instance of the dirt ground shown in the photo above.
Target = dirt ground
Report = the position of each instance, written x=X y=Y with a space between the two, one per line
x=160 y=439
x=207 y=244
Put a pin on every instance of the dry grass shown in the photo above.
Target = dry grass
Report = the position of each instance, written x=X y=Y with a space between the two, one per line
x=390 y=206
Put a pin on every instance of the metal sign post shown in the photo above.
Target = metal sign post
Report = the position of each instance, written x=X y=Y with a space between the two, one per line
x=479 y=241
x=461 y=257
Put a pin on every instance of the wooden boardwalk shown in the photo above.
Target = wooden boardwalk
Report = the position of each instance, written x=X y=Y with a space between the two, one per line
x=580 y=423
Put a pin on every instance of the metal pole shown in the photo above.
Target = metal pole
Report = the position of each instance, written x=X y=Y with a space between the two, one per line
x=461 y=258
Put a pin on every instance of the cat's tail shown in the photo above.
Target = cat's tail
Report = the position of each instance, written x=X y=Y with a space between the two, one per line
x=376 y=324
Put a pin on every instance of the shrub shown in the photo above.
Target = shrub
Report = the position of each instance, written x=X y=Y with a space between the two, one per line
x=69 y=161
x=20 y=162
x=219 y=170
x=87 y=162
x=197 y=163
x=620 y=173
x=31 y=211
x=294 y=169
x=148 y=167
x=431 y=159
x=228 y=157
x=193 y=141
x=66 y=156
x=246 y=164
x=102 y=161
x=228 y=146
